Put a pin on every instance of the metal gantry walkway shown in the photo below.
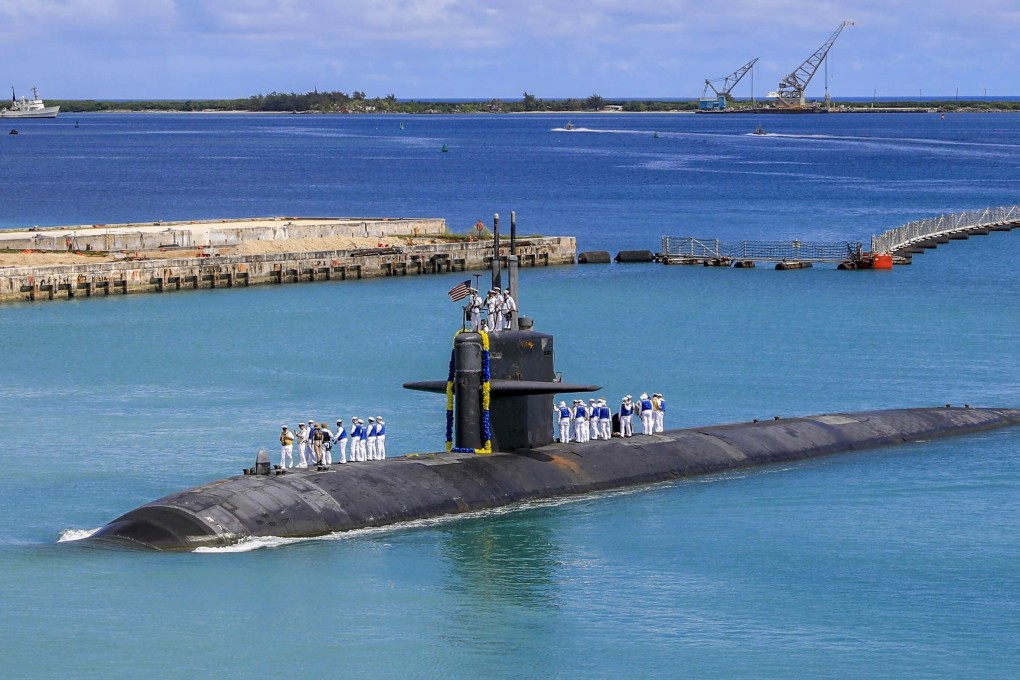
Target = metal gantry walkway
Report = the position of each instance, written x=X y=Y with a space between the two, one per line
x=688 y=250
x=916 y=237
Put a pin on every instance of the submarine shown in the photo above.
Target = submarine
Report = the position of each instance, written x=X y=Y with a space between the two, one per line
x=500 y=450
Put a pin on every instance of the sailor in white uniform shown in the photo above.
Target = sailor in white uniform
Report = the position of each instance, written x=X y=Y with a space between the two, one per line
x=474 y=311
x=626 y=418
x=659 y=403
x=355 y=439
x=497 y=302
x=380 y=438
x=562 y=414
x=310 y=427
x=491 y=312
x=580 y=422
x=605 y=420
x=363 y=441
x=302 y=446
x=509 y=309
x=647 y=415
x=371 y=438
x=340 y=440
x=286 y=448
x=593 y=420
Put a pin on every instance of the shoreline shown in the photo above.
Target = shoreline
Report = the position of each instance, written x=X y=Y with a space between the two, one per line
x=578 y=112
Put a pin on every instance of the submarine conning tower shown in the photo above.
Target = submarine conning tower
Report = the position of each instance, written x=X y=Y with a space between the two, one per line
x=514 y=367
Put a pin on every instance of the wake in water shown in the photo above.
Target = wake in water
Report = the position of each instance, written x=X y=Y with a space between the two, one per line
x=638 y=133
x=68 y=535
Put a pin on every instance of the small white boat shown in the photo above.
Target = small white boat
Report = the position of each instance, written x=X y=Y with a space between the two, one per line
x=759 y=131
x=28 y=108
x=568 y=126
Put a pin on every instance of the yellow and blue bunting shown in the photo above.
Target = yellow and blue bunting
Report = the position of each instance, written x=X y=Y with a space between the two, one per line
x=486 y=397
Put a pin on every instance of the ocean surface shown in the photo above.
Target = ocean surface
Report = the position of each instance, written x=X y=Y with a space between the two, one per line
x=896 y=562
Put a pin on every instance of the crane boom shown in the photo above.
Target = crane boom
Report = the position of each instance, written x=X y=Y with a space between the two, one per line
x=729 y=82
x=791 y=88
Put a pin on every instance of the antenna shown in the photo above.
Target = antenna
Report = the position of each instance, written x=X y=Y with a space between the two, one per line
x=495 y=252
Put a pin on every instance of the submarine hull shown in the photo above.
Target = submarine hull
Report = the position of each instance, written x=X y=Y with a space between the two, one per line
x=305 y=503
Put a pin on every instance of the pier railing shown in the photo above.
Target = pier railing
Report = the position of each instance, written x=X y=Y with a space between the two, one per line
x=678 y=248
x=943 y=225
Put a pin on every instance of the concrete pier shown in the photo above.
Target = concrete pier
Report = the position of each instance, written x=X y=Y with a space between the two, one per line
x=160 y=271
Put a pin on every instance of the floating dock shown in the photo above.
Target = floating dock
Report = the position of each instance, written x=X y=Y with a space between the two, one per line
x=745 y=254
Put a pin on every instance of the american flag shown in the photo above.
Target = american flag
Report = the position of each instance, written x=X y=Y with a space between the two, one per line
x=460 y=291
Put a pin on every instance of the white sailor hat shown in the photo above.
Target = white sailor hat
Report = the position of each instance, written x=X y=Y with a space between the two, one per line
x=284 y=427
x=644 y=395
x=507 y=290
x=301 y=424
x=371 y=419
x=591 y=401
x=563 y=403
x=339 y=420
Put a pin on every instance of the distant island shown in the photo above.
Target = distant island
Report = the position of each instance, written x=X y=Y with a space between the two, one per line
x=358 y=102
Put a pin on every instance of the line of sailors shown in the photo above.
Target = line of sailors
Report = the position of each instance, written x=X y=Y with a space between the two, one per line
x=316 y=442
x=594 y=420
x=499 y=311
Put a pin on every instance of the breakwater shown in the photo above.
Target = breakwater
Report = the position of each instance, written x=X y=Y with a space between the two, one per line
x=162 y=270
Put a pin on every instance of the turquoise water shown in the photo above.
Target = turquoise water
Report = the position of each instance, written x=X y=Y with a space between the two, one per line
x=897 y=562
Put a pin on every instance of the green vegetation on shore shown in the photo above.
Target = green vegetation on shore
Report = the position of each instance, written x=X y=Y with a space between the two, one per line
x=358 y=102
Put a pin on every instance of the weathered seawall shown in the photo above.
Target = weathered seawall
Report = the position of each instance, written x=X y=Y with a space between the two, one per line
x=212 y=233
x=157 y=270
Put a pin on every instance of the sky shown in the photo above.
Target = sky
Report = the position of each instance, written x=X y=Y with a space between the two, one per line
x=481 y=49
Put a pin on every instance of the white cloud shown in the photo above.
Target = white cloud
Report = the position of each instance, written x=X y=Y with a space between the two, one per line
x=452 y=47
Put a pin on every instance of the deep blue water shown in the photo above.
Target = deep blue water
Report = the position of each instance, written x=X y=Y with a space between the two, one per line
x=834 y=177
x=898 y=562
